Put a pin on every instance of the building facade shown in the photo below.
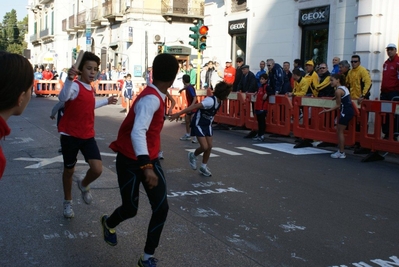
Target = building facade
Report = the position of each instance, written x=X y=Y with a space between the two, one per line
x=123 y=33
x=306 y=29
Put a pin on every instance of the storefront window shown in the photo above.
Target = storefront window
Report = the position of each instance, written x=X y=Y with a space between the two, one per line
x=239 y=46
x=315 y=43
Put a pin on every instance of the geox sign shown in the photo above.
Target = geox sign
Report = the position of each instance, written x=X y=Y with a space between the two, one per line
x=238 y=26
x=315 y=15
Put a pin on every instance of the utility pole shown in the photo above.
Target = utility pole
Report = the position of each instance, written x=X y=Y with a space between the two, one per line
x=88 y=26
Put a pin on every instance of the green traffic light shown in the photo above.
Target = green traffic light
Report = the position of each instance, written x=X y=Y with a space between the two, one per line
x=194 y=36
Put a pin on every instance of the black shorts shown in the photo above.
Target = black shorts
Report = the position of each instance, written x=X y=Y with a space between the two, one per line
x=70 y=148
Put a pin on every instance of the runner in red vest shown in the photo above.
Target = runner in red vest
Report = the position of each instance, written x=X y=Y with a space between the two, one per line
x=137 y=145
x=77 y=128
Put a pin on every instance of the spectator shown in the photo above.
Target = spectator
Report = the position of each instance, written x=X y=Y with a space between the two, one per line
x=287 y=79
x=344 y=67
x=237 y=80
x=301 y=84
x=210 y=75
x=192 y=73
x=38 y=75
x=275 y=73
x=229 y=72
x=335 y=63
x=358 y=80
x=203 y=75
x=390 y=84
x=324 y=89
x=262 y=70
x=261 y=104
x=47 y=76
x=312 y=78
x=248 y=81
x=298 y=65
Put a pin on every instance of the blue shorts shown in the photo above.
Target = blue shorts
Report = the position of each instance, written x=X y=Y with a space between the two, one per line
x=344 y=120
x=128 y=94
x=201 y=131
x=70 y=148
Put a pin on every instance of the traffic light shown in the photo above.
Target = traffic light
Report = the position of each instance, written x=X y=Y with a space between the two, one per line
x=203 y=32
x=160 y=49
x=195 y=35
x=74 y=53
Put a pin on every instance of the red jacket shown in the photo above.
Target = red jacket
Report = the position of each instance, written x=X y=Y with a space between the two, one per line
x=390 y=75
x=123 y=143
x=261 y=104
x=78 y=119
x=229 y=74
x=4 y=131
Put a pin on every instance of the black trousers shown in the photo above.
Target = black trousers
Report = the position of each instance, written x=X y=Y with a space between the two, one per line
x=129 y=178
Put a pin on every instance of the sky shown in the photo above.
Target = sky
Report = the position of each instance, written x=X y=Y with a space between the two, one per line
x=18 y=5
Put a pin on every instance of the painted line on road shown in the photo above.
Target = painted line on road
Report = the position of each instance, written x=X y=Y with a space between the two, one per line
x=260 y=152
x=212 y=155
x=289 y=148
x=225 y=151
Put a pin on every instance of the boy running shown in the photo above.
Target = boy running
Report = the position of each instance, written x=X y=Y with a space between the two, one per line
x=191 y=99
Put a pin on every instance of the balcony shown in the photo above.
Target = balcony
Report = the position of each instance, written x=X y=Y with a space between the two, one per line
x=65 y=26
x=96 y=17
x=72 y=22
x=182 y=11
x=46 y=35
x=81 y=20
x=34 y=39
x=112 y=11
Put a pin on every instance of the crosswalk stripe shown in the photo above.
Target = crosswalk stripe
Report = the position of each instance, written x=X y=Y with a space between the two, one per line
x=228 y=152
x=253 y=150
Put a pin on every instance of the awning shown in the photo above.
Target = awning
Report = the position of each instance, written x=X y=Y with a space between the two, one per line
x=113 y=45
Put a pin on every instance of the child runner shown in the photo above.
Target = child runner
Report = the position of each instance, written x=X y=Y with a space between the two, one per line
x=16 y=81
x=261 y=107
x=128 y=91
x=344 y=103
x=77 y=128
x=191 y=99
x=201 y=124
x=137 y=147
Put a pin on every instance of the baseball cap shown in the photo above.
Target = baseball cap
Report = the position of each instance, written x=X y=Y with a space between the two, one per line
x=245 y=67
x=229 y=60
x=391 y=45
x=310 y=62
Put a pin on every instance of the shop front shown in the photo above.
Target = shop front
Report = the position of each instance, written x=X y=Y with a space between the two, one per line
x=238 y=33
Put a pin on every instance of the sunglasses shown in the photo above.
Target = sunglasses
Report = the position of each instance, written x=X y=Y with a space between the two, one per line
x=354 y=61
x=269 y=65
x=322 y=68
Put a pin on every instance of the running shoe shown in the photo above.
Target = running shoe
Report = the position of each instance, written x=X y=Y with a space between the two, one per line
x=151 y=262
x=160 y=155
x=194 y=140
x=259 y=138
x=338 y=155
x=68 y=211
x=193 y=160
x=205 y=171
x=108 y=233
x=86 y=195
x=185 y=138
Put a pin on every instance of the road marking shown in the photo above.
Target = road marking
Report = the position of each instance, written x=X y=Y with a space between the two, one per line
x=212 y=155
x=23 y=140
x=225 y=151
x=289 y=148
x=253 y=150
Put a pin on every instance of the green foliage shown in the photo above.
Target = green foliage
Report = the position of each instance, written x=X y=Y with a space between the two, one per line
x=12 y=33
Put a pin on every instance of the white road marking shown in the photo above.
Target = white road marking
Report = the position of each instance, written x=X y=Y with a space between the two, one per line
x=212 y=155
x=228 y=152
x=23 y=140
x=253 y=150
x=289 y=148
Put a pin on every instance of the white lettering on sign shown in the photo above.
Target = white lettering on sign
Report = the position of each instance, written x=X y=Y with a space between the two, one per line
x=313 y=15
x=237 y=26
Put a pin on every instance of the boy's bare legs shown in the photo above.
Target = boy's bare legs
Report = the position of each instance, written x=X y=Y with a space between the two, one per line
x=205 y=147
x=67 y=183
x=95 y=170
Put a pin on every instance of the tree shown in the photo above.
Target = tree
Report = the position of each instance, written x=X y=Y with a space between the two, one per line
x=12 y=33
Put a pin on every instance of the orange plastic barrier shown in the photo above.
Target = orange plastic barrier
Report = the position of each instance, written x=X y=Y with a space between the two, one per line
x=372 y=137
x=317 y=126
x=47 y=87
x=278 y=119
x=233 y=111
x=105 y=87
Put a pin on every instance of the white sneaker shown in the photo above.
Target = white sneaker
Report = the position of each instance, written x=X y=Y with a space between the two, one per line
x=194 y=140
x=86 y=195
x=68 y=211
x=205 y=171
x=160 y=155
x=338 y=155
x=185 y=138
x=193 y=160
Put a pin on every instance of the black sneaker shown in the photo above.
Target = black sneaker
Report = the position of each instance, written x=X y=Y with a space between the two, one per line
x=151 y=262
x=109 y=233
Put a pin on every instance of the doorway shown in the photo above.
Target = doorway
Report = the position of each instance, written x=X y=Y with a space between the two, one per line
x=315 y=43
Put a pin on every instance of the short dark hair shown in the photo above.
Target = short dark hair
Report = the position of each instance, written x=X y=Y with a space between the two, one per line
x=164 y=68
x=298 y=61
x=88 y=56
x=129 y=75
x=222 y=90
x=264 y=76
x=297 y=72
x=356 y=56
x=239 y=59
x=186 y=78
x=16 y=77
x=339 y=77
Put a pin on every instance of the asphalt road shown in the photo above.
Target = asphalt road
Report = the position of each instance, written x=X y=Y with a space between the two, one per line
x=266 y=205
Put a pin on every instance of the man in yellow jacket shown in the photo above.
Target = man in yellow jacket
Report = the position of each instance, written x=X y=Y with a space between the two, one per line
x=358 y=80
x=312 y=79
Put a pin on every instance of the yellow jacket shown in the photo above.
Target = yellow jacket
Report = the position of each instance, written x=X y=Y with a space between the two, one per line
x=358 y=81
x=313 y=82
x=301 y=88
